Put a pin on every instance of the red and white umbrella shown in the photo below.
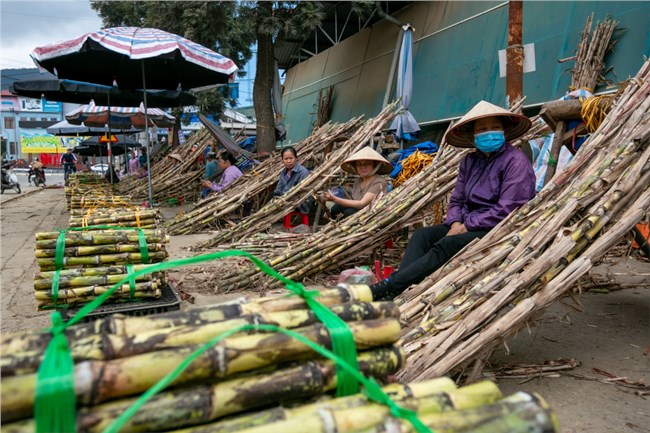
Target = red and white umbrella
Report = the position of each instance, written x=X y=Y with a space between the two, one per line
x=136 y=58
x=119 y=55
x=120 y=117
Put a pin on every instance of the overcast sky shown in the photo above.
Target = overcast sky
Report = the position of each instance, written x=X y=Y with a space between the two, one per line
x=28 y=24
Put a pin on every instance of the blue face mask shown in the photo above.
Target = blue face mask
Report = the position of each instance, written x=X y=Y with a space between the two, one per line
x=489 y=141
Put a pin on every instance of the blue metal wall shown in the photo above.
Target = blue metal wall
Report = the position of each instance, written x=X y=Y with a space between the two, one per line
x=455 y=58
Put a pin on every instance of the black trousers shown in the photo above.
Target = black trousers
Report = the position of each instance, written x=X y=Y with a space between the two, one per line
x=337 y=210
x=428 y=249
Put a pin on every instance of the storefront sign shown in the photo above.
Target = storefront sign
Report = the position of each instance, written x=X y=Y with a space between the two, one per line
x=45 y=143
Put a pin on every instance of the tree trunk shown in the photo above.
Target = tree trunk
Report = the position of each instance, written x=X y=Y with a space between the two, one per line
x=262 y=86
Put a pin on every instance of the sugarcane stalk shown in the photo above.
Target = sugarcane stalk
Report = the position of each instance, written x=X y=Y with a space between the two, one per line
x=37 y=340
x=47 y=264
x=97 y=250
x=110 y=346
x=97 y=381
x=443 y=394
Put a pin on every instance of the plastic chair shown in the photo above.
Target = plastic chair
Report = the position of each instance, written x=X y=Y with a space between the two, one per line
x=287 y=219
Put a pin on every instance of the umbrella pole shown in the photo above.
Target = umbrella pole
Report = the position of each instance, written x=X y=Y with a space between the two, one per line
x=108 y=145
x=146 y=128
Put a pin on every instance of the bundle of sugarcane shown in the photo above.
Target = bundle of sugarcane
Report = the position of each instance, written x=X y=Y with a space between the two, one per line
x=277 y=367
x=124 y=217
x=96 y=198
x=318 y=178
x=255 y=185
x=82 y=285
x=257 y=308
x=174 y=176
x=536 y=254
x=589 y=70
x=341 y=243
x=438 y=404
x=100 y=247
x=85 y=178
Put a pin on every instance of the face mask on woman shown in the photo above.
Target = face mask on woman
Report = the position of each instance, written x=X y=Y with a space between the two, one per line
x=489 y=141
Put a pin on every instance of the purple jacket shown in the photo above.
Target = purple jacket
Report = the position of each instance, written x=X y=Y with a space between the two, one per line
x=230 y=174
x=489 y=189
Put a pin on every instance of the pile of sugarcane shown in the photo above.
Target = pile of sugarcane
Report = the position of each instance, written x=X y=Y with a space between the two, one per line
x=85 y=178
x=92 y=261
x=589 y=70
x=171 y=178
x=254 y=187
x=439 y=405
x=316 y=181
x=117 y=358
x=341 y=243
x=490 y=291
x=122 y=216
x=91 y=196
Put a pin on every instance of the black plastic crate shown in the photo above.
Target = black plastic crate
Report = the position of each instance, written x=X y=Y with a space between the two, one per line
x=169 y=301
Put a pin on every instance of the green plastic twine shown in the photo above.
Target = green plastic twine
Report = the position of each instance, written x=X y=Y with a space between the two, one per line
x=55 y=402
x=341 y=336
x=372 y=390
x=129 y=271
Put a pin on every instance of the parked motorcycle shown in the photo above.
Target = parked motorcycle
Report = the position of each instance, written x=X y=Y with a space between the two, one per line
x=9 y=179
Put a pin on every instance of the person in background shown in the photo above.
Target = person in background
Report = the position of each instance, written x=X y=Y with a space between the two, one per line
x=231 y=173
x=86 y=165
x=111 y=175
x=291 y=175
x=492 y=182
x=142 y=159
x=210 y=172
x=69 y=161
x=38 y=170
x=134 y=164
x=369 y=165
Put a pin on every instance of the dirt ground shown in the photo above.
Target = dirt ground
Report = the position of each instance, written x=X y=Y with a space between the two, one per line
x=609 y=334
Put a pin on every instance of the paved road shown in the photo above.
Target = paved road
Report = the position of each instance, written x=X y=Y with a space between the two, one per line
x=35 y=210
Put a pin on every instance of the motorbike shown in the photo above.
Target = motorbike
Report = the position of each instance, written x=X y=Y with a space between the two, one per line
x=36 y=175
x=9 y=179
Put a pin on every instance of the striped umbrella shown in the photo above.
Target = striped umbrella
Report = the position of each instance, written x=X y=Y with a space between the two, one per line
x=120 y=117
x=120 y=54
x=136 y=58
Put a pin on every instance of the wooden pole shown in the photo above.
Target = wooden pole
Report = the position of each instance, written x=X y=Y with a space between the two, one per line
x=514 y=53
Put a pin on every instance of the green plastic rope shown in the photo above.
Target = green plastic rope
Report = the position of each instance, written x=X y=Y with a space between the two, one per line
x=372 y=390
x=55 y=402
x=129 y=271
x=340 y=334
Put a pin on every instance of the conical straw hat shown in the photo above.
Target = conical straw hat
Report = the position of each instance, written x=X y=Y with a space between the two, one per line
x=367 y=154
x=462 y=133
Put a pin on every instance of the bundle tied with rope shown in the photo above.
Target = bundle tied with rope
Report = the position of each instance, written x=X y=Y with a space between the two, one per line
x=80 y=264
x=280 y=362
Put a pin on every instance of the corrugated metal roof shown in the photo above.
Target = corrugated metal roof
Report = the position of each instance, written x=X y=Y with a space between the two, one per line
x=340 y=23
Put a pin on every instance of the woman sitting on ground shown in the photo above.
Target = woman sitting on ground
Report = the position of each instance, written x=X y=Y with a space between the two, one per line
x=492 y=182
x=231 y=173
x=369 y=165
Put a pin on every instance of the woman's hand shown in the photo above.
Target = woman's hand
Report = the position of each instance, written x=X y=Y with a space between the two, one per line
x=457 y=228
x=206 y=183
x=328 y=196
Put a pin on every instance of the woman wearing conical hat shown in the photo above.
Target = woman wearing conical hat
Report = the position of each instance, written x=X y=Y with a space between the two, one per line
x=492 y=182
x=369 y=165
